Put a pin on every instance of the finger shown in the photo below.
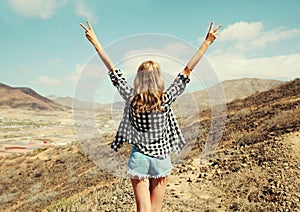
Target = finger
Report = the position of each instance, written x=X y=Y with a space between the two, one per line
x=89 y=24
x=211 y=26
x=82 y=25
x=217 y=28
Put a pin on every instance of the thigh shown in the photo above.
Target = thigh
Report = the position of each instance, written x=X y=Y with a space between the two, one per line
x=141 y=193
x=157 y=192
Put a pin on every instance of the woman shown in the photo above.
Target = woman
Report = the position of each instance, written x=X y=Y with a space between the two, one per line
x=148 y=122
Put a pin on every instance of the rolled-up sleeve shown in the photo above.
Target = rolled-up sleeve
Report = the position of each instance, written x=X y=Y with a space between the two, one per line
x=176 y=88
x=119 y=81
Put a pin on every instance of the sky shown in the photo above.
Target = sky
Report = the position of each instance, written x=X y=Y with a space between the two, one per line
x=43 y=47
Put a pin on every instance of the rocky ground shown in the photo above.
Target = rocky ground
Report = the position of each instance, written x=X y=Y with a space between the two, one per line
x=260 y=177
x=255 y=166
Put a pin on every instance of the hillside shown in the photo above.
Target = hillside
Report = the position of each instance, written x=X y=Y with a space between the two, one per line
x=24 y=98
x=69 y=102
x=78 y=104
x=262 y=115
x=255 y=166
x=241 y=88
x=233 y=89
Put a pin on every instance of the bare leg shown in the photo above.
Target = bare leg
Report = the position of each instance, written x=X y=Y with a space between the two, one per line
x=142 y=194
x=157 y=192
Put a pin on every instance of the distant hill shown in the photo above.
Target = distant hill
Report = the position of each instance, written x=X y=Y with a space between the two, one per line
x=78 y=104
x=241 y=88
x=22 y=97
x=233 y=89
x=25 y=98
x=68 y=101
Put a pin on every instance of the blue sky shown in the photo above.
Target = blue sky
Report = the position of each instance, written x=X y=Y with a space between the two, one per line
x=43 y=46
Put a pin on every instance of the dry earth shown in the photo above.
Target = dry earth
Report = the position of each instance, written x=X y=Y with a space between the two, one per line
x=255 y=166
x=64 y=179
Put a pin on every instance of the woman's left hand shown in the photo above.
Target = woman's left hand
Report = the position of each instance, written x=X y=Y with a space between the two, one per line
x=212 y=33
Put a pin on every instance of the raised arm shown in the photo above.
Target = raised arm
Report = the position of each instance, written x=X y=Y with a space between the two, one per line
x=210 y=37
x=91 y=36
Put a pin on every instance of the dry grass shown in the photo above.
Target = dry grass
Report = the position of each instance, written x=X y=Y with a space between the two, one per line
x=255 y=168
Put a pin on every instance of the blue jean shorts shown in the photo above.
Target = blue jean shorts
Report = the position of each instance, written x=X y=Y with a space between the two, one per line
x=141 y=166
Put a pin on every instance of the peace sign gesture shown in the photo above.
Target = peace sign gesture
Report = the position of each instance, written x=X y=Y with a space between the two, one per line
x=212 y=33
x=90 y=35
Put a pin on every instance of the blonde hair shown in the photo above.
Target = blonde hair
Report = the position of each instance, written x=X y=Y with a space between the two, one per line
x=148 y=88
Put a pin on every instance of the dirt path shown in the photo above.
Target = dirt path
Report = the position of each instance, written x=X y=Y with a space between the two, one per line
x=294 y=140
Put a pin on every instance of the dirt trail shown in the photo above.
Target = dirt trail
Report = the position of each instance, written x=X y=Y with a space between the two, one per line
x=294 y=140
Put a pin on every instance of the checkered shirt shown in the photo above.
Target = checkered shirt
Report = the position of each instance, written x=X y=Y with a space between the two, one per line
x=155 y=133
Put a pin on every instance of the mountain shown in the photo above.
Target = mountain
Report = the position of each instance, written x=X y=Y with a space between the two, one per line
x=25 y=98
x=22 y=97
x=69 y=101
x=240 y=88
x=233 y=89
x=78 y=104
x=255 y=118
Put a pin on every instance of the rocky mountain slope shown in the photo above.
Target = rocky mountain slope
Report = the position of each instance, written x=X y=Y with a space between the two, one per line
x=70 y=102
x=229 y=90
x=78 y=104
x=25 y=98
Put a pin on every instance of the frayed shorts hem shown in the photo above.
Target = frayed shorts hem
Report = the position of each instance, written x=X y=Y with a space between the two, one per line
x=134 y=175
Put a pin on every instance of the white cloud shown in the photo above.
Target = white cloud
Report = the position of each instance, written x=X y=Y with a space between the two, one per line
x=241 y=31
x=90 y=70
x=45 y=9
x=179 y=49
x=169 y=64
x=234 y=57
x=172 y=56
x=275 y=36
x=285 y=67
x=74 y=76
x=36 y=8
x=45 y=80
x=245 y=36
x=84 y=11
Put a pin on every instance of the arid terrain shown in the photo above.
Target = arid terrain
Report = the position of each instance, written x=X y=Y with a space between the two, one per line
x=252 y=163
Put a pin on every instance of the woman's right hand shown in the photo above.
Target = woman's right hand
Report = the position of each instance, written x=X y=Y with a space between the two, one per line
x=90 y=35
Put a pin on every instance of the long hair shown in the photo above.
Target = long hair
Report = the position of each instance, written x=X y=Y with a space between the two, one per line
x=148 y=88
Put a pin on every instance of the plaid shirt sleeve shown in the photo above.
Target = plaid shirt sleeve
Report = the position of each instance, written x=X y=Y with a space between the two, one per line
x=121 y=84
x=176 y=88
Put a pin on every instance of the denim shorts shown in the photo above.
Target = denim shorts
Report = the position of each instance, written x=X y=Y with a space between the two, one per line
x=141 y=166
